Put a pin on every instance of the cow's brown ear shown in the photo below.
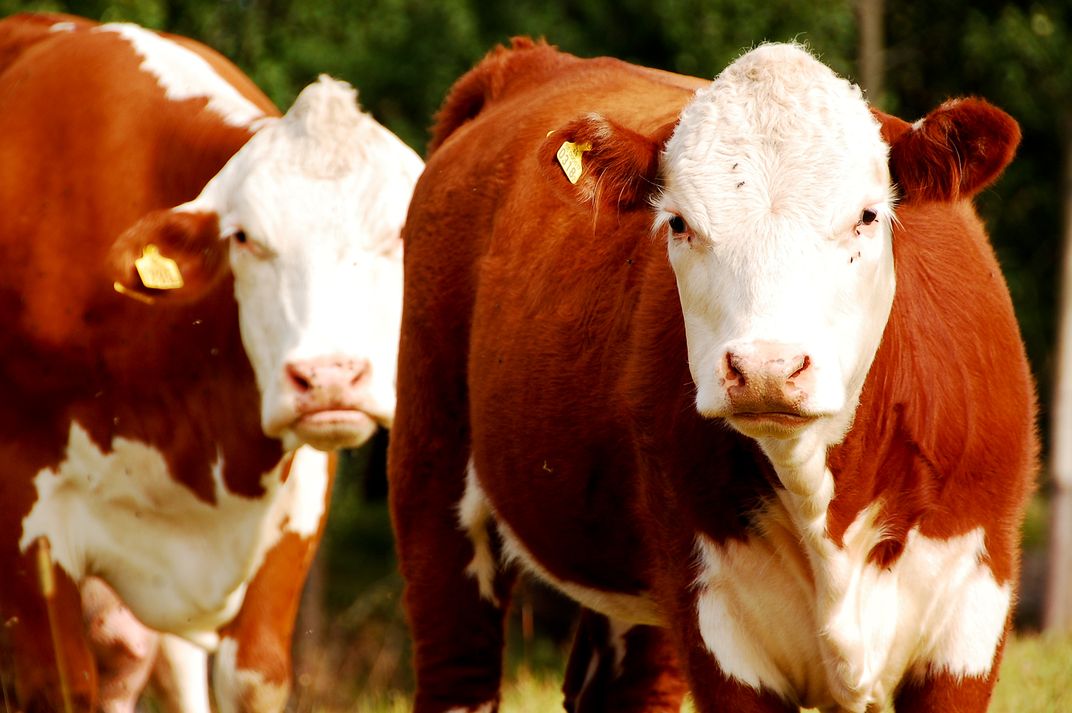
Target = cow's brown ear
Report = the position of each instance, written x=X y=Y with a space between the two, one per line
x=597 y=160
x=954 y=152
x=169 y=256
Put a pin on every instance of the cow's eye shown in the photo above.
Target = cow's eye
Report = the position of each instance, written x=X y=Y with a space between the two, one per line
x=678 y=226
x=239 y=236
x=868 y=216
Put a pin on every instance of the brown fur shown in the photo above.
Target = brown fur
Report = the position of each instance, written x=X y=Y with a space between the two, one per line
x=543 y=338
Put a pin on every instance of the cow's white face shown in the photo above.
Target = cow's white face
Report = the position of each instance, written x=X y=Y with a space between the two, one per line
x=777 y=211
x=313 y=206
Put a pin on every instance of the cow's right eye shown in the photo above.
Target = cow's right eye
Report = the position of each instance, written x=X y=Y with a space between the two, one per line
x=678 y=226
x=239 y=237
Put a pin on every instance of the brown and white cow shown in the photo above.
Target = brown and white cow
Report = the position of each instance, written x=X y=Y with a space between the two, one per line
x=750 y=389
x=158 y=439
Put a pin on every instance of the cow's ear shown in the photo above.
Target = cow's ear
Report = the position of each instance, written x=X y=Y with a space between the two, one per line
x=952 y=153
x=169 y=256
x=597 y=160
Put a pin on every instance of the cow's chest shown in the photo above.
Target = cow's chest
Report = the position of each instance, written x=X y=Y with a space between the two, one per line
x=179 y=562
x=820 y=625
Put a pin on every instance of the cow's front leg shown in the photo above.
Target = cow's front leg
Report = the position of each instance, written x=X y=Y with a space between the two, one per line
x=123 y=647
x=940 y=691
x=620 y=667
x=714 y=691
x=252 y=668
x=43 y=629
x=180 y=676
x=456 y=592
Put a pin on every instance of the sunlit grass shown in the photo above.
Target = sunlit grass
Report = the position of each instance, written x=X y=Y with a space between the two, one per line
x=1036 y=677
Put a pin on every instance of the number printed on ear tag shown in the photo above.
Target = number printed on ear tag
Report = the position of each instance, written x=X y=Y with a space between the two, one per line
x=158 y=272
x=569 y=158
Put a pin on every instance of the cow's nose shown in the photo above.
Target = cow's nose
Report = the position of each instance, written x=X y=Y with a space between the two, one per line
x=767 y=376
x=327 y=375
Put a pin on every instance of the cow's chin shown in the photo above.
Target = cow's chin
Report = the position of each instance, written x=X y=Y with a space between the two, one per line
x=334 y=428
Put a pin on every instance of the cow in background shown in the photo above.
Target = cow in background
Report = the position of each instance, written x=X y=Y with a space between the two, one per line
x=733 y=365
x=200 y=298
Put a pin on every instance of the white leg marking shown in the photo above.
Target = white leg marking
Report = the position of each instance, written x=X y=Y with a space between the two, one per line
x=181 y=676
x=183 y=74
x=616 y=639
x=241 y=689
x=474 y=514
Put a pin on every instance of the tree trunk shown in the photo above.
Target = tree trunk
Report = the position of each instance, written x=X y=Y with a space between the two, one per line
x=871 y=58
x=1058 y=614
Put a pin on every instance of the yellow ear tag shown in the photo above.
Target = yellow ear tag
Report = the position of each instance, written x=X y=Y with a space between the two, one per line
x=569 y=158
x=158 y=272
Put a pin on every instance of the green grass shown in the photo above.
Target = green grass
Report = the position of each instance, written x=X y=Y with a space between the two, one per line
x=1036 y=677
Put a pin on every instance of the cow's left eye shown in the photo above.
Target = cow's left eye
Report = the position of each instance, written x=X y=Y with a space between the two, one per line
x=868 y=216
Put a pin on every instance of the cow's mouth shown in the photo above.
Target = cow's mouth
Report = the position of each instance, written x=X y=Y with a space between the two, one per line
x=332 y=428
x=771 y=423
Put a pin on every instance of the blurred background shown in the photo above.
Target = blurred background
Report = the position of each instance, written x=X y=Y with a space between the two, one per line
x=404 y=54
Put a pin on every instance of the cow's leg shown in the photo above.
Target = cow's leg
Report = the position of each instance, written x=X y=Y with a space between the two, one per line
x=619 y=667
x=252 y=669
x=123 y=647
x=713 y=691
x=945 y=693
x=939 y=691
x=456 y=594
x=40 y=604
x=180 y=676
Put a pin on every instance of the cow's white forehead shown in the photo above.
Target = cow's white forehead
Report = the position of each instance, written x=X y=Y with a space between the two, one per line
x=325 y=152
x=780 y=132
x=324 y=135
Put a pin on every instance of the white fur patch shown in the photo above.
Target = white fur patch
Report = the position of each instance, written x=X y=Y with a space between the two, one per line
x=179 y=563
x=303 y=497
x=181 y=676
x=474 y=516
x=183 y=74
x=768 y=606
x=242 y=689
x=62 y=27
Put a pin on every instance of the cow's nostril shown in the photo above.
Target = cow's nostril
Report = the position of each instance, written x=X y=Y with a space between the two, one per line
x=299 y=380
x=804 y=362
x=735 y=369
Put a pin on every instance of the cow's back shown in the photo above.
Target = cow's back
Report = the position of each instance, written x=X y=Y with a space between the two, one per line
x=513 y=273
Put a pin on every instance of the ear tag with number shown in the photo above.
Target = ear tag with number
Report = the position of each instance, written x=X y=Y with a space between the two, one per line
x=569 y=158
x=158 y=272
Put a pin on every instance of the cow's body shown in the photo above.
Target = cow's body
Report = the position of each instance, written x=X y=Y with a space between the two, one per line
x=151 y=437
x=546 y=402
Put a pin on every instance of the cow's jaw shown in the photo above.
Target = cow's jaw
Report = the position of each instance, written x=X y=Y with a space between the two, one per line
x=777 y=212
